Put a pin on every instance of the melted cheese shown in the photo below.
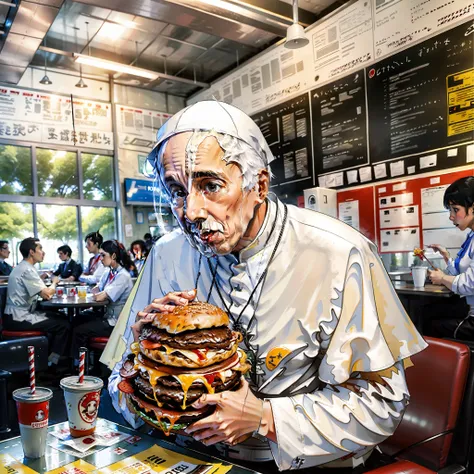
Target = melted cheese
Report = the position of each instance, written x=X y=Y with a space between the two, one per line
x=186 y=380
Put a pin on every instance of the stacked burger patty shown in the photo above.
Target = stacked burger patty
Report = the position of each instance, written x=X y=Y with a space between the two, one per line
x=178 y=358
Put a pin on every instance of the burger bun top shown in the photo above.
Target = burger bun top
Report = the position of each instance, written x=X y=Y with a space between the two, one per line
x=195 y=315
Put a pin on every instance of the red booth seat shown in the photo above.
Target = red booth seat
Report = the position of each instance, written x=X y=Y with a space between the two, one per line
x=403 y=467
x=98 y=343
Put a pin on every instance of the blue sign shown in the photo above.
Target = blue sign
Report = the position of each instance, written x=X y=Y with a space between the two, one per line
x=140 y=191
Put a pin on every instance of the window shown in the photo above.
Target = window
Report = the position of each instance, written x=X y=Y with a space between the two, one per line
x=57 y=225
x=15 y=170
x=98 y=177
x=57 y=173
x=70 y=193
x=16 y=223
x=101 y=219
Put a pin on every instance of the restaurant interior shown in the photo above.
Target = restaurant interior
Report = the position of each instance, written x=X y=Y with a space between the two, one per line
x=367 y=107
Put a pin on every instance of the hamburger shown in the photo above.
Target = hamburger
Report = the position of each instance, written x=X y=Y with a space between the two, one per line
x=180 y=356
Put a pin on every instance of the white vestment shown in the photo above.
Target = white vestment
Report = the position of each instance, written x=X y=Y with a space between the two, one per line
x=325 y=316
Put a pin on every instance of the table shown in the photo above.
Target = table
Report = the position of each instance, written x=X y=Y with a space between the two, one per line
x=54 y=458
x=415 y=298
x=73 y=304
x=407 y=288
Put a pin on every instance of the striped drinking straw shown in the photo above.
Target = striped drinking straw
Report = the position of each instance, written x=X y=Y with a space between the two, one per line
x=31 y=368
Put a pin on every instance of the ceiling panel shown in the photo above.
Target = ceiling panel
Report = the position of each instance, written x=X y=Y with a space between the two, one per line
x=189 y=40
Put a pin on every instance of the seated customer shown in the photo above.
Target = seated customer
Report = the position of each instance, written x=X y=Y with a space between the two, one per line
x=24 y=288
x=69 y=270
x=95 y=268
x=114 y=286
x=138 y=252
x=5 y=268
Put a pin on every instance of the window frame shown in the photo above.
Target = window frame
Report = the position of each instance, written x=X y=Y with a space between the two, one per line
x=78 y=202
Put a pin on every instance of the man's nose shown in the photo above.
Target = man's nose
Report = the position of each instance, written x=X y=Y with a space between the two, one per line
x=195 y=207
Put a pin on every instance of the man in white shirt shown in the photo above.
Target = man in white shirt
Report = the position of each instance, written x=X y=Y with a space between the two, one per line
x=25 y=286
x=326 y=334
x=95 y=267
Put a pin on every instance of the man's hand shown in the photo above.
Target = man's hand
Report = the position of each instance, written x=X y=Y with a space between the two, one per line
x=101 y=296
x=45 y=275
x=238 y=414
x=55 y=280
x=161 y=305
x=47 y=293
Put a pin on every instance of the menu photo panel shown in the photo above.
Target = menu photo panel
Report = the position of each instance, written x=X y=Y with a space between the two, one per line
x=286 y=127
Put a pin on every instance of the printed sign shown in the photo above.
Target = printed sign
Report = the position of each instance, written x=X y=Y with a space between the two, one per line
x=157 y=459
x=54 y=119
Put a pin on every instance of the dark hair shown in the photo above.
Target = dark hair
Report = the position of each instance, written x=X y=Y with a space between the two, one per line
x=5 y=242
x=28 y=244
x=461 y=192
x=147 y=236
x=142 y=245
x=121 y=254
x=95 y=237
x=65 y=249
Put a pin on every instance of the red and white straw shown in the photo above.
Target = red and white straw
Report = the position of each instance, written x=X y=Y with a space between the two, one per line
x=31 y=368
x=82 y=356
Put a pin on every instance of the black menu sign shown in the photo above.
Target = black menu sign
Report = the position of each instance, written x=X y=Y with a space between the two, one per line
x=422 y=99
x=286 y=127
x=339 y=124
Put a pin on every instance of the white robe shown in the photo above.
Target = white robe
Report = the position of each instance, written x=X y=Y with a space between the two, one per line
x=327 y=315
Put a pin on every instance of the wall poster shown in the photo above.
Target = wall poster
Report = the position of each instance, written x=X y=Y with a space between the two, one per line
x=47 y=118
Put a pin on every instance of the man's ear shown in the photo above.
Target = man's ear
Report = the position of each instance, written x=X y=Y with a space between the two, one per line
x=263 y=184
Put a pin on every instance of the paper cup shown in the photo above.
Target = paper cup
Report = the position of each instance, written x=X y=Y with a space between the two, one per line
x=419 y=276
x=59 y=291
x=33 y=414
x=82 y=403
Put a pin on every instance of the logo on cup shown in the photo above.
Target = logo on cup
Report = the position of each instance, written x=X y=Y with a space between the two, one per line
x=71 y=291
x=59 y=292
x=88 y=406
x=39 y=415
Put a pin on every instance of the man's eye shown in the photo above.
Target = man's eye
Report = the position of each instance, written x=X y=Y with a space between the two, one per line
x=212 y=187
x=177 y=193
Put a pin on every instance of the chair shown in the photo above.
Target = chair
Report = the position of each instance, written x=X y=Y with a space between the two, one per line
x=13 y=360
x=441 y=385
x=96 y=345
x=6 y=334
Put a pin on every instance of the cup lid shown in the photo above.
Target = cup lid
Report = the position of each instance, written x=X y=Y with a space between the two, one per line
x=90 y=383
x=24 y=395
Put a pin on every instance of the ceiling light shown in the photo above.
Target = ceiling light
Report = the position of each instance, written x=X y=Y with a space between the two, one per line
x=113 y=66
x=45 y=81
x=81 y=84
x=112 y=31
x=295 y=35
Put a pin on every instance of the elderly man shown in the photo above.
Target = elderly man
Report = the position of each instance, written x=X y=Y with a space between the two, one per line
x=326 y=334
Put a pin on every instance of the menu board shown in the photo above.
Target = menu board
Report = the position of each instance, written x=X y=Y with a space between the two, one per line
x=339 y=124
x=48 y=118
x=286 y=128
x=422 y=99
x=341 y=43
x=137 y=128
x=400 y=23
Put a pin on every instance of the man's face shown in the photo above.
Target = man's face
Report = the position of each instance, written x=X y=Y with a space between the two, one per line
x=5 y=251
x=38 y=254
x=91 y=246
x=208 y=200
x=63 y=256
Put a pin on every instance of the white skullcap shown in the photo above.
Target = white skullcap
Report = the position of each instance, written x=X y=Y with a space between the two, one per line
x=219 y=117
